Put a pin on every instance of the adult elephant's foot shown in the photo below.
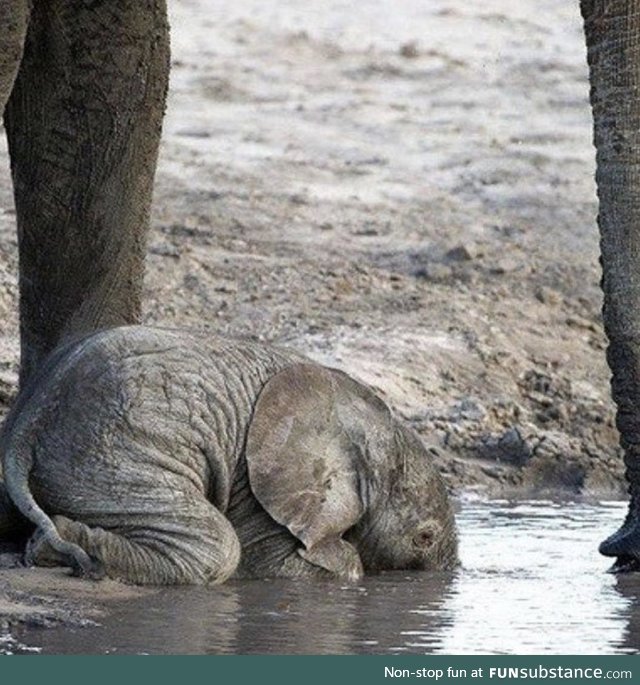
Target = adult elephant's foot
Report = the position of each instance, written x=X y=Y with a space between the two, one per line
x=625 y=542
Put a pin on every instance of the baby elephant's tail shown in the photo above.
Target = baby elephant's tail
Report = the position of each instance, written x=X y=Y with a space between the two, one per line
x=17 y=450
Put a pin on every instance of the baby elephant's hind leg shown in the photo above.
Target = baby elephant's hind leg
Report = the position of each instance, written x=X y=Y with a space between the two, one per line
x=199 y=549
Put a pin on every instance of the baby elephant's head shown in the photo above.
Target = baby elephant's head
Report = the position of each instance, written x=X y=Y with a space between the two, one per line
x=409 y=523
x=328 y=460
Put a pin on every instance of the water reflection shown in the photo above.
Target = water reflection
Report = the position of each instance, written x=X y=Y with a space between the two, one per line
x=254 y=617
x=531 y=582
x=628 y=587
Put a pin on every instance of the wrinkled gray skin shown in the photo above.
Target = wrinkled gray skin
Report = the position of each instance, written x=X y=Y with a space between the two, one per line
x=82 y=89
x=611 y=29
x=164 y=457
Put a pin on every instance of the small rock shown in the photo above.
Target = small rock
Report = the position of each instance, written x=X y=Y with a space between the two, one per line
x=165 y=250
x=558 y=462
x=536 y=381
x=194 y=133
x=509 y=447
x=191 y=281
x=580 y=322
x=505 y=265
x=299 y=199
x=409 y=50
x=551 y=413
x=468 y=409
x=434 y=273
x=461 y=253
x=547 y=296
x=366 y=231
x=226 y=288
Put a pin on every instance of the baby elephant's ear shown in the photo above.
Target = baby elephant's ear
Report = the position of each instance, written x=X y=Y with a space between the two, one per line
x=306 y=456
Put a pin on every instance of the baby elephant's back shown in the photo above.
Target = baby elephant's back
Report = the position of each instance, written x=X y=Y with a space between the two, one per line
x=136 y=414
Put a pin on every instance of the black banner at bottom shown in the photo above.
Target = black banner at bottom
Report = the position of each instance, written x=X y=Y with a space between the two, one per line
x=312 y=670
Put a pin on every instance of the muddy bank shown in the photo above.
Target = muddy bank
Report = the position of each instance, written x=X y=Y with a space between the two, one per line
x=40 y=598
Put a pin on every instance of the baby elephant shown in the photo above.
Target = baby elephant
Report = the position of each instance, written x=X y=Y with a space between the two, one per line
x=162 y=457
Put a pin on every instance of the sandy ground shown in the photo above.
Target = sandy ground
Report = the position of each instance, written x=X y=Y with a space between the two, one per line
x=404 y=191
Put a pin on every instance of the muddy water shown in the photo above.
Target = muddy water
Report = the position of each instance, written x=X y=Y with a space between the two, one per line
x=530 y=582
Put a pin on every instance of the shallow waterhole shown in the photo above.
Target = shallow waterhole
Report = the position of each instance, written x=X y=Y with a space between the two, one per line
x=531 y=581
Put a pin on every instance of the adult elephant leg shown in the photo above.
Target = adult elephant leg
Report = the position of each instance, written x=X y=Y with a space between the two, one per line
x=84 y=122
x=14 y=17
x=612 y=30
x=12 y=523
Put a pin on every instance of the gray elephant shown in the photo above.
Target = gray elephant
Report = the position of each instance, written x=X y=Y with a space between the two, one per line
x=82 y=88
x=164 y=457
x=612 y=28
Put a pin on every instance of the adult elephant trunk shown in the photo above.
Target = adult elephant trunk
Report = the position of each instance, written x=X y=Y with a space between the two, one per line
x=83 y=122
x=612 y=30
